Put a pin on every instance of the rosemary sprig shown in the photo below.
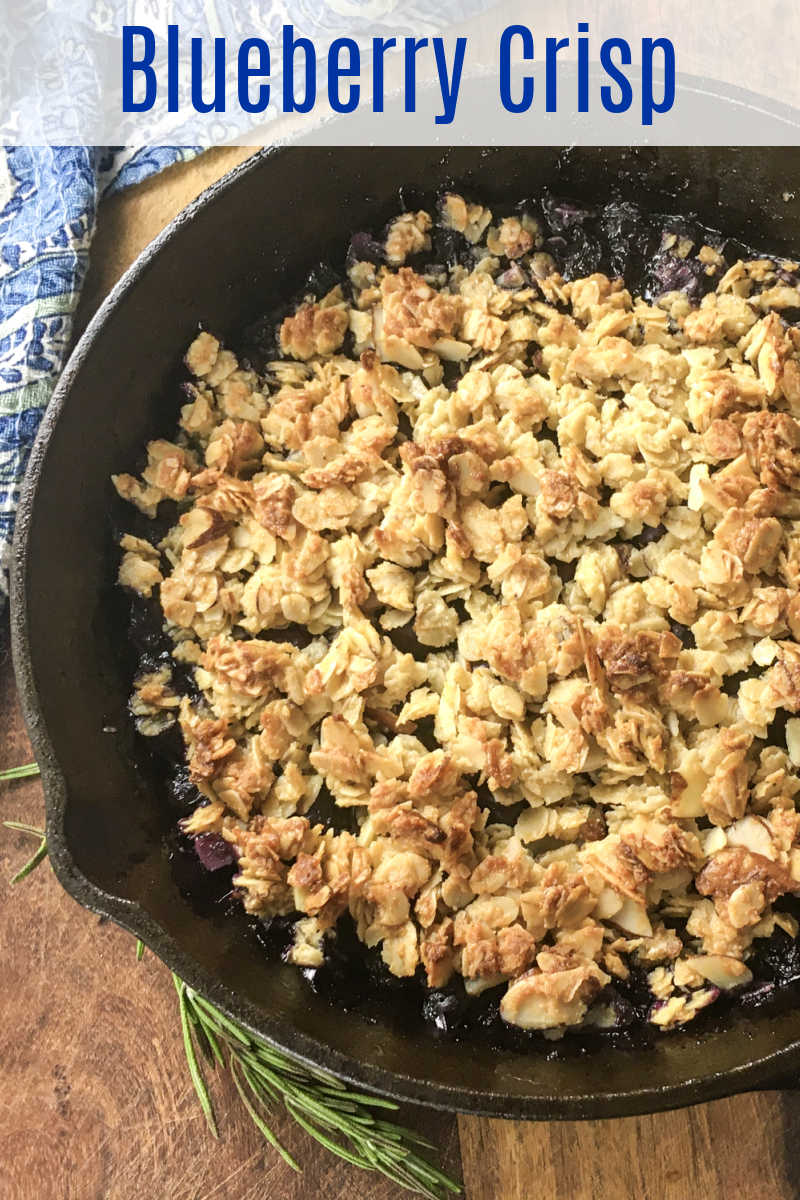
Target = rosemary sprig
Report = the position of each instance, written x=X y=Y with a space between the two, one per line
x=343 y=1121
x=19 y=772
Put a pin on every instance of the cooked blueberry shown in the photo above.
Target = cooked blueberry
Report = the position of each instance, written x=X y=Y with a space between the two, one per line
x=683 y=633
x=777 y=959
x=213 y=851
x=650 y=533
x=627 y=235
x=583 y=255
x=624 y=1012
x=444 y=1011
x=275 y=934
x=513 y=278
x=563 y=214
x=182 y=793
x=669 y=273
x=776 y=730
x=364 y=248
x=449 y=246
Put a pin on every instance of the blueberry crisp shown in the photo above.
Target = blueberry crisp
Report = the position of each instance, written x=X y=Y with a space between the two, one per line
x=498 y=552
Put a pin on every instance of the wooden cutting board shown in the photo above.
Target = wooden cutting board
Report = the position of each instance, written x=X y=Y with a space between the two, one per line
x=96 y=1103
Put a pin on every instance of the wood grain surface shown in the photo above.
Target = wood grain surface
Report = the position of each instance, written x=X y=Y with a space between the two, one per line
x=96 y=1103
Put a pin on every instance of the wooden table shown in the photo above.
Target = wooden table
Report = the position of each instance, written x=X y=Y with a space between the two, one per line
x=96 y=1103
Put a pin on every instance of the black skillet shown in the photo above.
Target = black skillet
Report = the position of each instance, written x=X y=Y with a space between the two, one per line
x=240 y=250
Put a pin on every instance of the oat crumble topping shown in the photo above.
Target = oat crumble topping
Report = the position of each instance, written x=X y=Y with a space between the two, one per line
x=542 y=539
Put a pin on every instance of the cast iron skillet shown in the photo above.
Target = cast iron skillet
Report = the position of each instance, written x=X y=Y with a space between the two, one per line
x=245 y=245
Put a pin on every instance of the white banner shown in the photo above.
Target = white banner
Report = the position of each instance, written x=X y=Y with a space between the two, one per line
x=202 y=72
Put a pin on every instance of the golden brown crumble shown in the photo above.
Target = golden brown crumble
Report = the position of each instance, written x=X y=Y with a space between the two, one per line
x=590 y=541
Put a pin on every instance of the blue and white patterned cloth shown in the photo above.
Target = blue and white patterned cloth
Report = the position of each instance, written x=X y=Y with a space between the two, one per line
x=48 y=208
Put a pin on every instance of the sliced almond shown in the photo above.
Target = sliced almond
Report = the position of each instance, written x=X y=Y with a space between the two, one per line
x=720 y=969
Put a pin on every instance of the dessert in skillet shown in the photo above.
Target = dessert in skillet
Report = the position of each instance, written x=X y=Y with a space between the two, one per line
x=487 y=588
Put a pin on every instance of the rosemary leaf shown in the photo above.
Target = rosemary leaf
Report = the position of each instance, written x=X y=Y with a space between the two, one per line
x=392 y=1133
x=38 y=855
x=203 y=1036
x=191 y=1058
x=319 y=1136
x=211 y=1046
x=233 y=1030
x=23 y=772
x=255 y=1116
x=266 y=1078
x=372 y=1101
x=24 y=827
x=139 y=949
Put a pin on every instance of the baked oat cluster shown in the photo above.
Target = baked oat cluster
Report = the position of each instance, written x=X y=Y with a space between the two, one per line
x=541 y=541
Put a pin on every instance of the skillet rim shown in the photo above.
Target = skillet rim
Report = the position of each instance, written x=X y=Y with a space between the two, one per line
x=773 y=1070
